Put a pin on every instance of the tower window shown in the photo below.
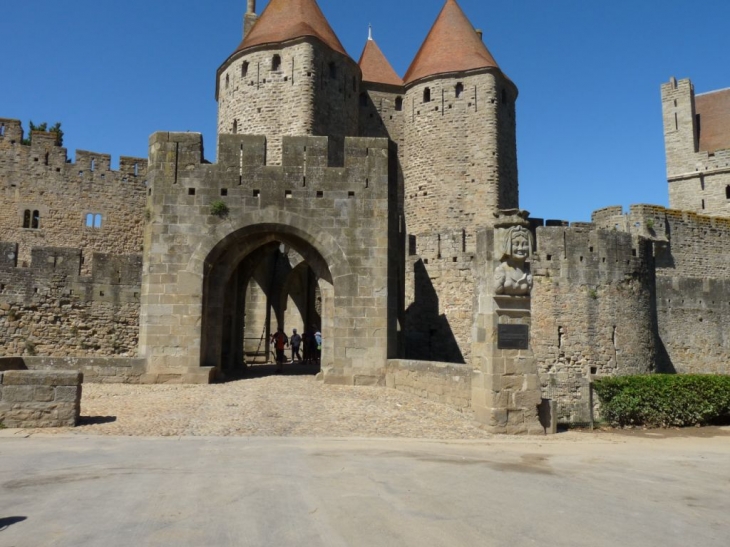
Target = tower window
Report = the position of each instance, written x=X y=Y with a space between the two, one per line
x=459 y=89
x=228 y=81
x=93 y=220
x=399 y=103
x=244 y=69
x=504 y=97
x=26 y=219
x=2 y=129
x=276 y=62
x=354 y=84
x=36 y=220
x=235 y=127
x=333 y=71
x=363 y=99
x=727 y=192
x=427 y=95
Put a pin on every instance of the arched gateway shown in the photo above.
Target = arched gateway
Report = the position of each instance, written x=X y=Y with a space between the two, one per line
x=318 y=244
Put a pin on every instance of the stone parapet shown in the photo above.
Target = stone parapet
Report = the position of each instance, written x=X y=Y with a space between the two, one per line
x=444 y=383
x=34 y=399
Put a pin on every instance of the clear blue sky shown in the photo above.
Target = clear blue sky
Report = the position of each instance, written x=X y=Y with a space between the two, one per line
x=588 y=117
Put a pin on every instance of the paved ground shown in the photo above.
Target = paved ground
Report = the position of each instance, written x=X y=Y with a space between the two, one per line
x=58 y=491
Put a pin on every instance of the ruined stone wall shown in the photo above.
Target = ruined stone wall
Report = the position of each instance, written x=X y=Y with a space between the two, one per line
x=339 y=218
x=592 y=309
x=460 y=159
x=312 y=91
x=50 y=309
x=40 y=178
x=699 y=180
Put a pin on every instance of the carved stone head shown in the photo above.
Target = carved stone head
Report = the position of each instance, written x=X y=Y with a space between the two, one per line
x=517 y=244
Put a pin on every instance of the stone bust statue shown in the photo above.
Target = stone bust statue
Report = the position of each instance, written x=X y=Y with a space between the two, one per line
x=512 y=277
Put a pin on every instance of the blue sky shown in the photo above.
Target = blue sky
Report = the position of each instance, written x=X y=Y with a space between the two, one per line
x=588 y=117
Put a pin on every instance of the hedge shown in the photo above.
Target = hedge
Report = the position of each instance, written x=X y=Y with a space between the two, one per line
x=665 y=400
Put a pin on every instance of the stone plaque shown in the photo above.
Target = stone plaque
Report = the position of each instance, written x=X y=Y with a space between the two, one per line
x=513 y=337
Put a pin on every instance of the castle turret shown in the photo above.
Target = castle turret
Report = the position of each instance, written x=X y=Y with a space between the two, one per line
x=381 y=98
x=460 y=145
x=290 y=76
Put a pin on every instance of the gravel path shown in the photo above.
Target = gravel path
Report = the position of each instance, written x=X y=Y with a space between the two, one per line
x=296 y=406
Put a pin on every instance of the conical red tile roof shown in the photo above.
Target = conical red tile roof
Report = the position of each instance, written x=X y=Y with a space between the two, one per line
x=375 y=67
x=284 y=20
x=452 y=45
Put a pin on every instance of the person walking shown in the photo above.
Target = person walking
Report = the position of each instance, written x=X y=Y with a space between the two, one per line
x=296 y=342
x=280 y=341
x=318 y=341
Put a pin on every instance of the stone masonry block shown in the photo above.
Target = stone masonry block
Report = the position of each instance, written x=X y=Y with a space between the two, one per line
x=42 y=378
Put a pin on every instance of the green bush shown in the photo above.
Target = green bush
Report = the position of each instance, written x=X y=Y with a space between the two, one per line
x=219 y=208
x=664 y=400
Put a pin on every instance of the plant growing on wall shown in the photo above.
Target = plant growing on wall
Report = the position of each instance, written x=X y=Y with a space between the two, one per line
x=219 y=208
x=650 y=223
x=44 y=127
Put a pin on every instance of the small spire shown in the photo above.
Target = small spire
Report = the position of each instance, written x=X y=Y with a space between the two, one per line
x=370 y=32
x=251 y=6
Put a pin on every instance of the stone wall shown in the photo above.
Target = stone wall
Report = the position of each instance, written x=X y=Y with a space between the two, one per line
x=439 y=382
x=313 y=91
x=49 y=308
x=34 y=399
x=40 y=178
x=96 y=370
x=699 y=180
x=592 y=307
x=692 y=276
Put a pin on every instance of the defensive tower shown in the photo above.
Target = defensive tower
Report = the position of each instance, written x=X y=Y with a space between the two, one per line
x=290 y=76
x=459 y=132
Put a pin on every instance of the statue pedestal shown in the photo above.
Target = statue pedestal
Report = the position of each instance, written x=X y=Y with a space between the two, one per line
x=505 y=387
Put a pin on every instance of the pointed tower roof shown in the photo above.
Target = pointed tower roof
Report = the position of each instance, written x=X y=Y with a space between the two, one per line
x=375 y=67
x=285 y=20
x=452 y=45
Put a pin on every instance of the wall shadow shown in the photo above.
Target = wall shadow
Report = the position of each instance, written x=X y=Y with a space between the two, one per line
x=6 y=522
x=428 y=335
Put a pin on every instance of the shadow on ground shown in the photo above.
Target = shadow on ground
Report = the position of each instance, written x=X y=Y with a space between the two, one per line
x=263 y=371
x=6 y=522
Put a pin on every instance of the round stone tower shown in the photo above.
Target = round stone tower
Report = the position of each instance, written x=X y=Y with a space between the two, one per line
x=459 y=130
x=290 y=76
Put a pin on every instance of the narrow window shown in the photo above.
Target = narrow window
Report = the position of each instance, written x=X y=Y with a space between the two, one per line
x=235 y=127
x=703 y=204
x=46 y=159
x=354 y=83
x=427 y=95
x=26 y=219
x=97 y=221
x=459 y=89
x=228 y=81
x=136 y=169
x=89 y=220
x=276 y=62
x=36 y=222
x=504 y=97
x=363 y=99
x=2 y=129
x=333 y=71
x=727 y=192
x=244 y=69
x=399 y=103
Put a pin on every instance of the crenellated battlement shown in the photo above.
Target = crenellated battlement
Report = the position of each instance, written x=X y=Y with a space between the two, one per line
x=45 y=153
x=242 y=170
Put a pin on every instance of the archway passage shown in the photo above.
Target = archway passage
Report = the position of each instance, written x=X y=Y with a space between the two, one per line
x=253 y=285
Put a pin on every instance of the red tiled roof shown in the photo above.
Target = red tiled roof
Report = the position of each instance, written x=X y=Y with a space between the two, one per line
x=714 y=114
x=452 y=45
x=284 y=20
x=375 y=67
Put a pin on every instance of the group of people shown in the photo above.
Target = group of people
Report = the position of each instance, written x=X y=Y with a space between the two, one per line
x=310 y=345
